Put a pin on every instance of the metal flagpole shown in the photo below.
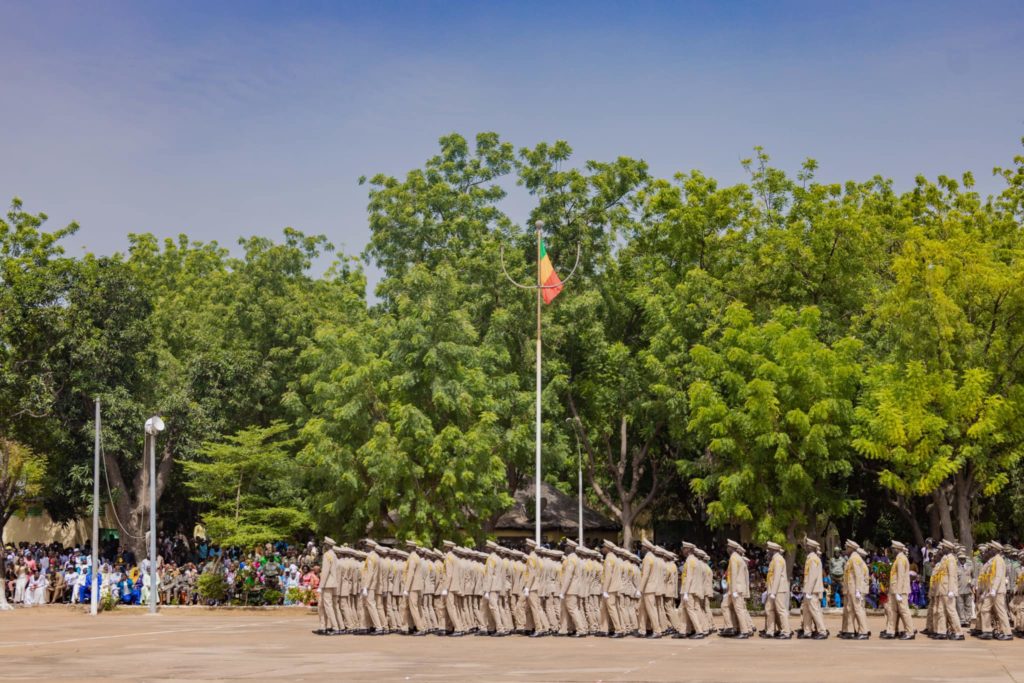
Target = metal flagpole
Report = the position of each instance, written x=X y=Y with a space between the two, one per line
x=536 y=489
x=579 y=463
x=540 y=287
x=94 y=597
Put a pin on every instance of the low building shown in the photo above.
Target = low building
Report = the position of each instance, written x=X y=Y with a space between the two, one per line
x=559 y=518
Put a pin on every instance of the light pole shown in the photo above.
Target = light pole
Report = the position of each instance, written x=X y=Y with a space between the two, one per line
x=579 y=474
x=94 y=590
x=154 y=426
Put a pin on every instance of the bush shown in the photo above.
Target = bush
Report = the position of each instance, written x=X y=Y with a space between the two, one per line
x=108 y=602
x=300 y=596
x=271 y=597
x=212 y=586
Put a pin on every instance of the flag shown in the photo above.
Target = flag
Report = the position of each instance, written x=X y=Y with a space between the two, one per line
x=549 y=279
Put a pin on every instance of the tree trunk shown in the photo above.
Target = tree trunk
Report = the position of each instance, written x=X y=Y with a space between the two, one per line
x=626 y=519
x=906 y=509
x=934 y=528
x=964 y=491
x=132 y=505
x=943 y=512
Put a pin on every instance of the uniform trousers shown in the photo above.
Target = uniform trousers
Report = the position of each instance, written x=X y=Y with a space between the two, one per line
x=649 y=613
x=897 y=613
x=776 y=613
x=993 y=608
x=735 y=614
x=811 y=618
x=370 y=606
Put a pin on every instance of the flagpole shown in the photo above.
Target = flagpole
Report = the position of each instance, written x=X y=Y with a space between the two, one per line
x=537 y=489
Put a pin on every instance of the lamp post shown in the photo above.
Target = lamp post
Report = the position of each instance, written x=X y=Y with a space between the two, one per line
x=154 y=426
x=94 y=590
x=579 y=474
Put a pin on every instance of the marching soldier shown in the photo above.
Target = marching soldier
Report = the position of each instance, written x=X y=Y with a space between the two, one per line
x=738 y=623
x=707 y=591
x=413 y=584
x=328 y=580
x=451 y=587
x=650 y=586
x=369 y=584
x=776 y=607
x=992 y=586
x=1017 y=602
x=947 y=592
x=691 y=580
x=965 y=576
x=611 y=587
x=520 y=603
x=897 y=609
x=536 y=584
x=812 y=623
x=569 y=592
x=855 y=586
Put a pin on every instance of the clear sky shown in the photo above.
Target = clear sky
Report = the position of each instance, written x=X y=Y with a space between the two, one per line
x=222 y=119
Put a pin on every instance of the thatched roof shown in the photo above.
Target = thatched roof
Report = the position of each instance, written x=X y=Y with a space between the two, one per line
x=558 y=511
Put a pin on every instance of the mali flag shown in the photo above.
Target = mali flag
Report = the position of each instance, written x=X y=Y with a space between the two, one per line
x=549 y=279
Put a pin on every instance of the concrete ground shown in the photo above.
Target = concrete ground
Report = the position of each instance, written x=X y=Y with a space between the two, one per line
x=61 y=643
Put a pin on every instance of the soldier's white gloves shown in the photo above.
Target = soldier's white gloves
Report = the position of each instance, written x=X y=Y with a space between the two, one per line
x=405 y=593
x=771 y=596
x=604 y=595
x=638 y=594
x=735 y=595
x=899 y=598
x=526 y=592
x=686 y=596
x=949 y=595
x=487 y=594
x=992 y=592
x=364 y=591
x=444 y=591
x=561 y=596
x=858 y=595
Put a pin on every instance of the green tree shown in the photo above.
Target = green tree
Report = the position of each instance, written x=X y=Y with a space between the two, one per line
x=247 y=487
x=773 y=405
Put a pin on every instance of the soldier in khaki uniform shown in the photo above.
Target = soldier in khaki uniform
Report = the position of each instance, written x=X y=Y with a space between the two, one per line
x=855 y=587
x=536 y=584
x=691 y=585
x=897 y=611
x=520 y=603
x=776 y=606
x=369 y=584
x=738 y=623
x=569 y=590
x=947 y=590
x=328 y=580
x=707 y=591
x=670 y=608
x=650 y=587
x=1017 y=601
x=413 y=584
x=611 y=586
x=812 y=624
x=451 y=588
x=992 y=588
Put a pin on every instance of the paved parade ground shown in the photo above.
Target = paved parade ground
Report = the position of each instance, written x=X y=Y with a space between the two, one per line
x=59 y=642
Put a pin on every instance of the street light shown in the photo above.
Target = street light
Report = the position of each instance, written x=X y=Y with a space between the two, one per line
x=154 y=426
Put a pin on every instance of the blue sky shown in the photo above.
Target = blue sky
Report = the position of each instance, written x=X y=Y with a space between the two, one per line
x=235 y=118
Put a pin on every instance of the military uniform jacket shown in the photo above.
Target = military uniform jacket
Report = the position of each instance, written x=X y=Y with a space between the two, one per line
x=993 y=576
x=899 y=575
x=778 y=579
x=951 y=578
x=855 y=575
x=709 y=580
x=534 y=574
x=330 y=572
x=813 y=579
x=691 y=579
x=450 y=580
x=737 y=575
x=370 y=575
x=671 y=580
x=611 y=575
x=650 y=576
x=519 y=577
x=552 y=569
x=413 y=579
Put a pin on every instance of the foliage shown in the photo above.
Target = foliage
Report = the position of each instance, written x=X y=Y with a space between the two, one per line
x=212 y=586
x=247 y=488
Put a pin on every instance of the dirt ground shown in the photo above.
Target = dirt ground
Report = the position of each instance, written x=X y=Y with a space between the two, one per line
x=61 y=643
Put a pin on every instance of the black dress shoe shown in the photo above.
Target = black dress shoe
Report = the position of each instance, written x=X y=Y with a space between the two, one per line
x=743 y=636
x=579 y=635
x=538 y=634
x=885 y=635
x=654 y=636
x=1003 y=636
x=958 y=636
x=861 y=636
x=697 y=636
x=320 y=631
x=985 y=636
x=617 y=635
x=679 y=635
x=911 y=636
x=820 y=636
x=845 y=635
x=938 y=636
x=456 y=634
x=783 y=636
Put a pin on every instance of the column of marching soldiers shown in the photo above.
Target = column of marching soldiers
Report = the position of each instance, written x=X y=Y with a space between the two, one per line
x=376 y=590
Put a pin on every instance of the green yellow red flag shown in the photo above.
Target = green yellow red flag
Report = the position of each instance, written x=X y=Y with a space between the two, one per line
x=549 y=280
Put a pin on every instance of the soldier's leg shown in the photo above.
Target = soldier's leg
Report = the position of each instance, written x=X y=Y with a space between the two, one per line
x=903 y=617
x=728 y=620
x=770 y=617
x=847 y=616
x=860 y=614
x=1002 y=618
x=952 y=619
x=540 y=619
x=494 y=621
x=890 y=615
x=451 y=608
x=553 y=609
x=743 y=615
x=321 y=609
x=610 y=614
x=814 y=608
x=339 y=612
x=564 y=619
x=519 y=612
x=370 y=604
x=413 y=601
x=709 y=619
x=782 y=612
x=985 y=613
x=694 y=621
x=651 y=612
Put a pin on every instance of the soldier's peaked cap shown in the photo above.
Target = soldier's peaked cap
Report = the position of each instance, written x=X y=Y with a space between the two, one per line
x=898 y=545
x=447 y=544
x=688 y=546
x=735 y=546
x=811 y=543
x=772 y=545
x=329 y=541
x=850 y=543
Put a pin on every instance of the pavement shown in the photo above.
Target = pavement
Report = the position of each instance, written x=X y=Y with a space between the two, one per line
x=189 y=644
